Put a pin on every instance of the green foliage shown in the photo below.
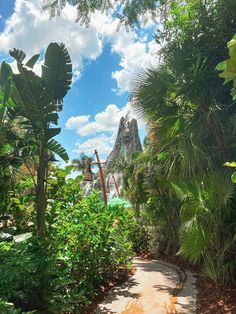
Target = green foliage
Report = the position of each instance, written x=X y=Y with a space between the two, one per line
x=191 y=119
x=57 y=71
x=38 y=99
x=9 y=308
x=25 y=278
x=228 y=67
x=85 y=244
x=81 y=163
x=129 y=12
x=92 y=241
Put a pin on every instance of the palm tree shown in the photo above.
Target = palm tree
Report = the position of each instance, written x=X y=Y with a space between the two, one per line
x=81 y=163
x=207 y=223
x=192 y=135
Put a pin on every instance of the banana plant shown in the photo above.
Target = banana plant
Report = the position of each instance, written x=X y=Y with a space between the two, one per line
x=38 y=100
x=9 y=141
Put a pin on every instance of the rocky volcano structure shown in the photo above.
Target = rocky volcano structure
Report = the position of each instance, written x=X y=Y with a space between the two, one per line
x=127 y=141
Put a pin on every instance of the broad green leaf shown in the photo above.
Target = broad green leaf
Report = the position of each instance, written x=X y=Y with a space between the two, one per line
x=5 y=81
x=58 y=149
x=57 y=71
x=233 y=177
x=5 y=73
x=31 y=62
x=230 y=164
x=221 y=66
x=50 y=133
x=17 y=54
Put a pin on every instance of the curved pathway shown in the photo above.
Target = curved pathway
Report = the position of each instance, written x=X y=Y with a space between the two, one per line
x=156 y=288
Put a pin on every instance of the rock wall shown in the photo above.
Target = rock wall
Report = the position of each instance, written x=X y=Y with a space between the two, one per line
x=127 y=141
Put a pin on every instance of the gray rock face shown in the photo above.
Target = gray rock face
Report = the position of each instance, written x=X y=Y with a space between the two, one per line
x=127 y=141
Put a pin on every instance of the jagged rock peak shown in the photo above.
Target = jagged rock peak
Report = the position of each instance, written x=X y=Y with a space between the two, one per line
x=127 y=140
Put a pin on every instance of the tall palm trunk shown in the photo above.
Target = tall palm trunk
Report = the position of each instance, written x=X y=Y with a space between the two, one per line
x=41 y=191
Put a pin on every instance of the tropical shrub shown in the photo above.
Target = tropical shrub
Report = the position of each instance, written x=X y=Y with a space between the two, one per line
x=207 y=227
x=86 y=243
x=37 y=101
x=25 y=274
x=191 y=120
x=91 y=241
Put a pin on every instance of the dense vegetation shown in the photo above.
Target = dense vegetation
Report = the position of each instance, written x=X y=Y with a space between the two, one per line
x=185 y=187
x=57 y=246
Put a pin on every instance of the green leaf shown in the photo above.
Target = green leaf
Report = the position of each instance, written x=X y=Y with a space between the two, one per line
x=233 y=177
x=17 y=54
x=221 y=66
x=58 y=149
x=31 y=97
x=230 y=164
x=194 y=242
x=5 y=73
x=52 y=118
x=31 y=62
x=161 y=155
x=57 y=71
x=50 y=133
x=5 y=81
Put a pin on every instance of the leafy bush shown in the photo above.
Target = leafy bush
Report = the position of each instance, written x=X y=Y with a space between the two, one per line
x=26 y=276
x=92 y=241
x=87 y=242
x=9 y=308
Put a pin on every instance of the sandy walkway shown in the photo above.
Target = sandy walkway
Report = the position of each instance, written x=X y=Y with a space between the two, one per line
x=156 y=288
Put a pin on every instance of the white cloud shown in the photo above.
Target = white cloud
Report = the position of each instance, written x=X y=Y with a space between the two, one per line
x=135 y=58
x=76 y=121
x=105 y=121
x=102 y=143
x=31 y=30
x=101 y=129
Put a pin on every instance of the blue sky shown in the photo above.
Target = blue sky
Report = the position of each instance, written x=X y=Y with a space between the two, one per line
x=104 y=63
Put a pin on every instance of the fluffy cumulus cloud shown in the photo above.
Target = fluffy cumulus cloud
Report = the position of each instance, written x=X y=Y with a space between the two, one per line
x=136 y=53
x=105 y=121
x=101 y=129
x=76 y=122
x=102 y=143
x=31 y=30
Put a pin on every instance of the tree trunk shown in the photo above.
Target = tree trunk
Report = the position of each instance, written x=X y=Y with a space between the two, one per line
x=41 y=197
